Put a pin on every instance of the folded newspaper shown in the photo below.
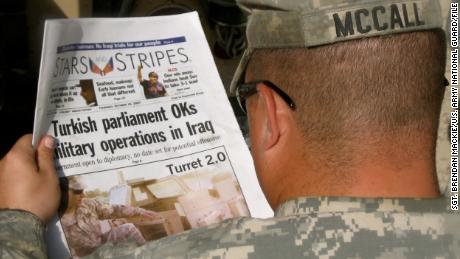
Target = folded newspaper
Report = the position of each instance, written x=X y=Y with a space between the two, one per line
x=147 y=143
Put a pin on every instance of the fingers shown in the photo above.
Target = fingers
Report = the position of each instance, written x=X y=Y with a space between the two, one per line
x=45 y=156
x=28 y=180
x=24 y=141
x=153 y=215
x=22 y=153
x=24 y=146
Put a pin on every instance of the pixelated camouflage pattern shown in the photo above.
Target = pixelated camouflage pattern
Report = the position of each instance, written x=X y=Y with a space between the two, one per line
x=21 y=235
x=317 y=228
x=308 y=23
x=303 y=227
x=83 y=231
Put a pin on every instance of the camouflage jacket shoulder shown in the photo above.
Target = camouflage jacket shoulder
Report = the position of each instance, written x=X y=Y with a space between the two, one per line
x=304 y=227
x=317 y=227
x=21 y=235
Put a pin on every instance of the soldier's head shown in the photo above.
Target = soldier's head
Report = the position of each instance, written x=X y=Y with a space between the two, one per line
x=153 y=78
x=362 y=88
x=76 y=191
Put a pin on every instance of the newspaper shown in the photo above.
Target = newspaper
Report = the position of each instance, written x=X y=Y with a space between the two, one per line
x=147 y=143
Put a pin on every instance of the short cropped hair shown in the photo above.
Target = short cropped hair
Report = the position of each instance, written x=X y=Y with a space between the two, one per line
x=368 y=88
x=153 y=74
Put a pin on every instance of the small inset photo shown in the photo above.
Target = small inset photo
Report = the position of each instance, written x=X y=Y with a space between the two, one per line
x=87 y=92
x=153 y=88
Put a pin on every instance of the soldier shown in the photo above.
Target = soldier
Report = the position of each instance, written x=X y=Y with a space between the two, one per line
x=88 y=223
x=343 y=99
x=152 y=87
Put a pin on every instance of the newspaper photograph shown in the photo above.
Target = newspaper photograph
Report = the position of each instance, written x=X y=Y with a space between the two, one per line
x=114 y=206
x=147 y=143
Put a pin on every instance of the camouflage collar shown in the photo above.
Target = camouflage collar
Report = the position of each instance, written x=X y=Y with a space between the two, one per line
x=308 y=205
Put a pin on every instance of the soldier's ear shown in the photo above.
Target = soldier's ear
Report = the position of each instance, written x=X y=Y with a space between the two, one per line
x=269 y=103
x=279 y=118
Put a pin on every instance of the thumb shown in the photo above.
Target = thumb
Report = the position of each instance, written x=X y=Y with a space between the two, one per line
x=45 y=155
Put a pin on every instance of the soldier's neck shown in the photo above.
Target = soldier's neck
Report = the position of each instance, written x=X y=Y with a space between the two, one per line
x=70 y=210
x=386 y=171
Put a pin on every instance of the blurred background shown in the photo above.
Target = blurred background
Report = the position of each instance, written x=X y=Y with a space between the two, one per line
x=21 y=30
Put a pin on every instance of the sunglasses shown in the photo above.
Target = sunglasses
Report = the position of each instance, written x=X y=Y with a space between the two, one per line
x=245 y=90
x=77 y=192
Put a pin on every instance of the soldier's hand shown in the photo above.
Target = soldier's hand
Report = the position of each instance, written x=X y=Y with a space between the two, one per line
x=28 y=179
x=151 y=214
x=117 y=222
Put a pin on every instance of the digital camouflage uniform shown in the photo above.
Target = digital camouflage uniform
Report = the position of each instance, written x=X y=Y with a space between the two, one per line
x=303 y=227
x=21 y=235
x=83 y=231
